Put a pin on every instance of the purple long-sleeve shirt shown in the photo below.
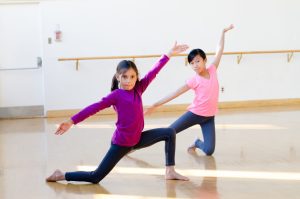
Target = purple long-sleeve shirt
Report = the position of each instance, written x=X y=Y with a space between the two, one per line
x=129 y=107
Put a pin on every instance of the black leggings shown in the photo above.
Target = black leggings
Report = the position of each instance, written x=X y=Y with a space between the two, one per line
x=116 y=152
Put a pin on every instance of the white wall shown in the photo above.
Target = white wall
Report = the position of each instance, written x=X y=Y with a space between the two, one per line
x=117 y=27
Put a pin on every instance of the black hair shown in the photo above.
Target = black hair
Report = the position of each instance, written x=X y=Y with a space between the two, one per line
x=122 y=67
x=196 y=52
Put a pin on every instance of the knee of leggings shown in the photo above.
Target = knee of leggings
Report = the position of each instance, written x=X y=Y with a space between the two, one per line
x=171 y=132
x=209 y=151
x=95 y=180
x=171 y=127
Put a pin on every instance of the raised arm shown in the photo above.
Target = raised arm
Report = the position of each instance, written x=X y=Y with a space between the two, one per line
x=220 y=47
x=166 y=99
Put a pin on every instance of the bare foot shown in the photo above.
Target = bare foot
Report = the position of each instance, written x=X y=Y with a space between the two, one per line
x=192 y=148
x=56 y=176
x=171 y=174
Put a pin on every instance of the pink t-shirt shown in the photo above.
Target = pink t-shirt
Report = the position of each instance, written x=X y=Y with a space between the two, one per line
x=205 y=102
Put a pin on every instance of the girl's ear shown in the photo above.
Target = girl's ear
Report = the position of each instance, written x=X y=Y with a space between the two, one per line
x=117 y=77
x=205 y=60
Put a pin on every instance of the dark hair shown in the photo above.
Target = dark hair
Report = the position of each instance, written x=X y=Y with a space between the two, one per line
x=196 y=52
x=122 y=67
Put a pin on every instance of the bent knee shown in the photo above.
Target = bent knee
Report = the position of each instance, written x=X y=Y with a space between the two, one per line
x=171 y=132
x=95 y=181
x=209 y=152
x=94 y=178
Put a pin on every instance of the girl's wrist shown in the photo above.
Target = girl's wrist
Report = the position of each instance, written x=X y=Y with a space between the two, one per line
x=169 y=54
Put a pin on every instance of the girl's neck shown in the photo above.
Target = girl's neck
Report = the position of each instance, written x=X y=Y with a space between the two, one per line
x=204 y=74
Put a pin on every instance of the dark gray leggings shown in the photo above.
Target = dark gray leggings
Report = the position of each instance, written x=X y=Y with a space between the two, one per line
x=208 y=130
x=116 y=152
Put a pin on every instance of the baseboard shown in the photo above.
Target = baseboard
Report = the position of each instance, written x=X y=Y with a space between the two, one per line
x=21 y=112
x=182 y=107
x=260 y=104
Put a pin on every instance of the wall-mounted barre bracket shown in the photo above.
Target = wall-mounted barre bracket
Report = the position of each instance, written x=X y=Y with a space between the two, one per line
x=239 y=58
x=77 y=64
x=289 y=56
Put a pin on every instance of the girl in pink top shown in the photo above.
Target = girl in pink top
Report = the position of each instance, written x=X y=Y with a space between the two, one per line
x=204 y=106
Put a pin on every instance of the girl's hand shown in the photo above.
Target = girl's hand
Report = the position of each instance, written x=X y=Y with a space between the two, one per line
x=63 y=127
x=228 y=28
x=149 y=110
x=176 y=49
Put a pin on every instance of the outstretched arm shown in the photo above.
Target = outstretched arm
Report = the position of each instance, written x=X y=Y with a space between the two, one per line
x=220 y=48
x=168 y=98
x=88 y=111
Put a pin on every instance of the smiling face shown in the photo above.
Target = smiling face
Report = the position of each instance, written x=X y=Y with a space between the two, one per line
x=127 y=79
x=198 y=64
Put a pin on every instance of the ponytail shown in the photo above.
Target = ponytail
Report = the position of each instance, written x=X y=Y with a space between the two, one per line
x=114 y=83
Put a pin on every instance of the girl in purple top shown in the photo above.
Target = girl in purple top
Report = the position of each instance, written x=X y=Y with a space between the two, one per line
x=126 y=99
x=204 y=106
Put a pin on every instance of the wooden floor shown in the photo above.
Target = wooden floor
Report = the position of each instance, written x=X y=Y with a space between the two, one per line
x=257 y=156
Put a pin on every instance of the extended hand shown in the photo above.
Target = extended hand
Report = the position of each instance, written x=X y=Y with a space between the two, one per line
x=228 y=28
x=63 y=127
x=149 y=110
x=176 y=49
